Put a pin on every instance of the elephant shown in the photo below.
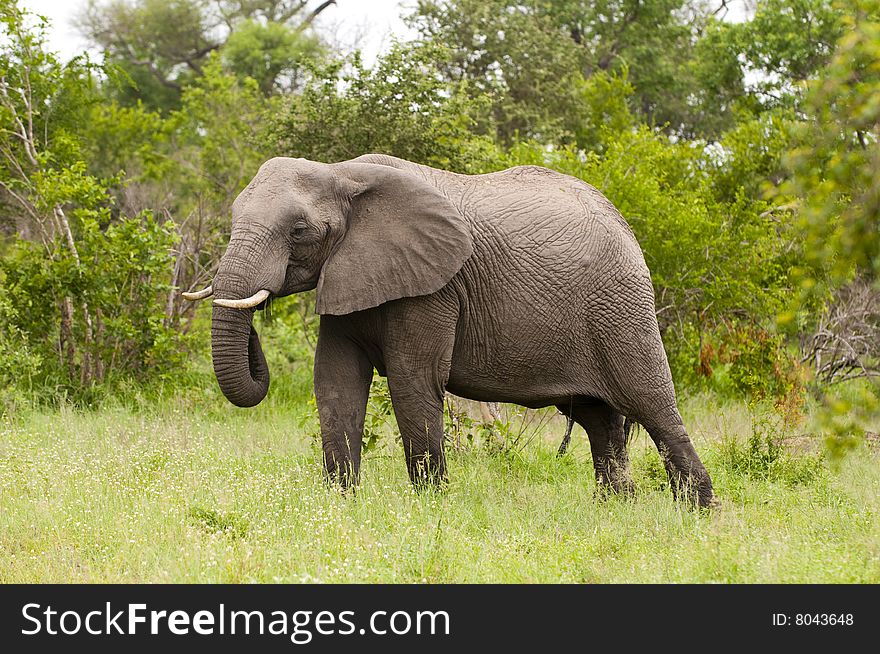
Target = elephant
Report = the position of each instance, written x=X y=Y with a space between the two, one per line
x=523 y=286
x=569 y=424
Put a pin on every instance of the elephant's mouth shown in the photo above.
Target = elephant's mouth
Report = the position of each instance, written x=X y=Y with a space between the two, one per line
x=299 y=278
x=299 y=288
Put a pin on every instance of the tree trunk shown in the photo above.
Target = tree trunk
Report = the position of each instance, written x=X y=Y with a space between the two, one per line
x=68 y=349
x=490 y=411
x=86 y=368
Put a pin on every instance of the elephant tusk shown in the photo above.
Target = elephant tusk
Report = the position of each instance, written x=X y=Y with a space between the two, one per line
x=199 y=295
x=246 y=303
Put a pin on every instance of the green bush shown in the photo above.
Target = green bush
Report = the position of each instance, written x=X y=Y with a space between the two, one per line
x=19 y=362
x=764 y=457
x=117 y=291
x=401 y=107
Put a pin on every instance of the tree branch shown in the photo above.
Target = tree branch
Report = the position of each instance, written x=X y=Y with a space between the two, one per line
x=314 y=14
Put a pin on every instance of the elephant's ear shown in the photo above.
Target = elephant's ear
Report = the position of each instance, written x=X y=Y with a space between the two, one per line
x=403 y=239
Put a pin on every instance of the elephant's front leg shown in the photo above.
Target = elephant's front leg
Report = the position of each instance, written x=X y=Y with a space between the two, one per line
x=419 y=412
x=342 y=385
x=418 y=356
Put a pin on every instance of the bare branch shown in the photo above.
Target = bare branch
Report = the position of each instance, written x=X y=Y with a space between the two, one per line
x=845 y=343
x=23 y=202
x=308 y=20
x=26 y=135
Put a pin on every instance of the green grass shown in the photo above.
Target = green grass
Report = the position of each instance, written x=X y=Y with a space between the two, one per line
x=202 y=492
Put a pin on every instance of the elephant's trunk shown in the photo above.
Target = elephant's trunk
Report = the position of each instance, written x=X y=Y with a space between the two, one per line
x=238 y=358
x=246 y=278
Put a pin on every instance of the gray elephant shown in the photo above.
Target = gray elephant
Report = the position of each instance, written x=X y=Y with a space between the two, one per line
x=523 y=286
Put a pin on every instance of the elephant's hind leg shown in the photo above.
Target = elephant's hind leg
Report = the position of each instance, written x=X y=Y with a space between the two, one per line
x=687 y=474
x=342 y=385
x=638 y=383
x=606 y=431
x=650 y=401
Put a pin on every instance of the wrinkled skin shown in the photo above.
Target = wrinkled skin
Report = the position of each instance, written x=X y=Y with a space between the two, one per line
x=522 y=286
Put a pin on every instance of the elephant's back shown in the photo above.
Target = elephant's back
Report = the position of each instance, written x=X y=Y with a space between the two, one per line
x=530 y=218
x=543 y=219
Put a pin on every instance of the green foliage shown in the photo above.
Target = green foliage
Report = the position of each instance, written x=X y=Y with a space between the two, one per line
x=750 y=160
x=43 y=101
x=19 y=361
x=836 y=166
x=604 y=109
x=508 y=55
x=130 y=139
x=835 y=184
x=88 y=288
x=745 y=359
x=160 y=47
x=215 y=522
x=135 y=85
x=157 y=44
x=462 y=431
x=400 y=107
x=379 y=414
x=764 y=456
x=847 y=416
x=219 y=134
x=787 y=42
x=682 y=64
x=273 y=54
x=120 y=278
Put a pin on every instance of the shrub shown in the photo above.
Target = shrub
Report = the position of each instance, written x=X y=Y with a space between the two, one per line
x=117 y=292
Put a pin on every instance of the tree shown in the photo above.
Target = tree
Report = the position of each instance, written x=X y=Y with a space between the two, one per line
x=402 y=106
x=39 y=98
x=785 y=43
x=91 y=284
x=510 y=54
x=162 y=45
x=833 y=188
x=835 y=167
x=274 y=55
x=680 y=60
x=531 y=57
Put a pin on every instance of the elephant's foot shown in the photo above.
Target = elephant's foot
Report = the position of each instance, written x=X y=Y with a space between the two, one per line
x=694 y=489
x=689 y=481
x=343 y=474
x=614 y=480
x=688 y=478
x=345 y=484
x=426 y=471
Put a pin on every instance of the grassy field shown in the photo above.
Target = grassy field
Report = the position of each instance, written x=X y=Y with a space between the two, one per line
x=179 y=492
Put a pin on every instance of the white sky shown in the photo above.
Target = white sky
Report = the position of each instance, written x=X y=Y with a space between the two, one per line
x=367 y=24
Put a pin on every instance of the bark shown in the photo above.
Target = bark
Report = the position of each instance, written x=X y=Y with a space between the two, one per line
x=86 y=371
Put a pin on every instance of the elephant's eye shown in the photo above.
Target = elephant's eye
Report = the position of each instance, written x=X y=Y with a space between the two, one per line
x=299 y=228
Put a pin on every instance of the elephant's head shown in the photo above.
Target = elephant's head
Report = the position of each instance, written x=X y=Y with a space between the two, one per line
x=361 y=233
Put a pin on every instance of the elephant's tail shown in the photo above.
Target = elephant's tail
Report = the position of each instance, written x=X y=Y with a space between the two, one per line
x=627 y=428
